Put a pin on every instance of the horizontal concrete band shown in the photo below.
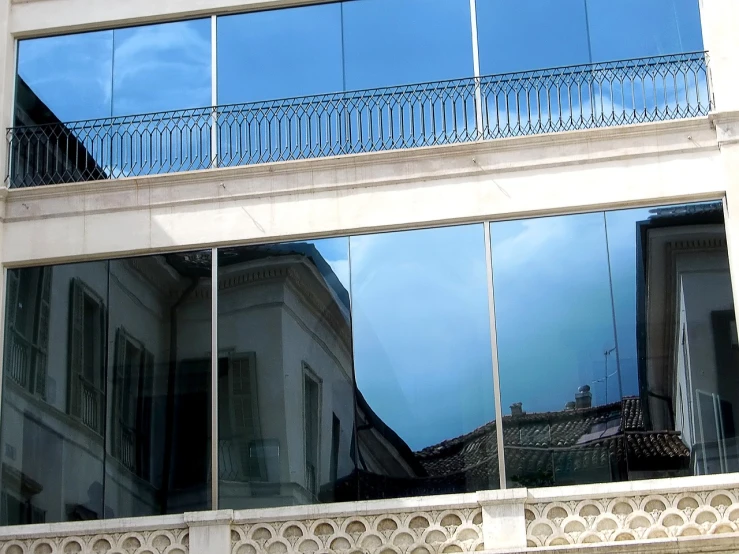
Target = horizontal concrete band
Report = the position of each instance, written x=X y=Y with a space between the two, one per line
x=639 y=165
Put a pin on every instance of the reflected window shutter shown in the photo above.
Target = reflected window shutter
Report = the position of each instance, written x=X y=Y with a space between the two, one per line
x=118 y=389
x=11 y=300
x=145 y=419
x=42 y=331
x=76 y=340
x=12 y=296
x=244 y=413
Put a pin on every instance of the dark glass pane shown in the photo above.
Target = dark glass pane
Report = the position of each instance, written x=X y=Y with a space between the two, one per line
x=285 y=380
x=266 y=57
x=654 y=28
x=53 y=394
x=523 y=35
x=425 y=407
x=595 y=314
x=159 y=368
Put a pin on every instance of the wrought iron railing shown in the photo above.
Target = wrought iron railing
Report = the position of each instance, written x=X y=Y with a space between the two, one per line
x=25 y=363
x=462 y=110
x=91 y=405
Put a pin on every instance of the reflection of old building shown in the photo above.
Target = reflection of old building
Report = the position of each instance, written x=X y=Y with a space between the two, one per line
x=688 y=345
x=46 y=151
x=286 y=414
x=66 y=326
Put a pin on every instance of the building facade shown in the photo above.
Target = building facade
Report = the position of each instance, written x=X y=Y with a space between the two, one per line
x=408 y=276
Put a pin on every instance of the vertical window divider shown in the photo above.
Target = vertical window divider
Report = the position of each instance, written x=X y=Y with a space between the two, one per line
x=494 y=352
x=214 y=379
x=476 y=69
x=731 y=254
x=214 y=90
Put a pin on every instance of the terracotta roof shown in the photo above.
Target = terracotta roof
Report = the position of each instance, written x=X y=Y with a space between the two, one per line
x=602 y=443
x=596 y=439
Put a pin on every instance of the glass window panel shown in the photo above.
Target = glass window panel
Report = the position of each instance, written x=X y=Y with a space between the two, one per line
x=598 y=343
x=400 y=42
x=278 y=54
x=637 y=28
x=654 y=28
x=64 y=78
x=53 y=422
x=425 y=408
x=285 y=380
x=159 y=375
x=160 y=68
x=683 y=346
x=305 y=58
x=392 y=43
x=555 y=349
x=531 y=34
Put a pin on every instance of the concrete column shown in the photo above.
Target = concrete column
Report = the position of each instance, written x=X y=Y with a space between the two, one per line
x=503 y=518
x=210 y=532
x=719 y=20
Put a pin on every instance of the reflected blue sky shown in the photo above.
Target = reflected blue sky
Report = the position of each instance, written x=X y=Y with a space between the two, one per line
x=653 y=28
x=538 y=34
x=71 y=74
x=347 y=45
x=279 y=53
x=162 y=67
x=421 y=331
x=397 y=42
x=531 y=34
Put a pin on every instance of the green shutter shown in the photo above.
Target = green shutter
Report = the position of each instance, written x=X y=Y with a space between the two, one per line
x=42 y=332
x=76 y=344
x=244 y=410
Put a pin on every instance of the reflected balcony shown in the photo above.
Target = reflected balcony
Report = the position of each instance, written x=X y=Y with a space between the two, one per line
x=446 y=112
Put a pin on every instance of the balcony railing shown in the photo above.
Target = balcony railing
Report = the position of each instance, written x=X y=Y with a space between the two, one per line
x=448 y=112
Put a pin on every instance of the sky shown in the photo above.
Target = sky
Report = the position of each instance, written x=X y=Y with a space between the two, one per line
x=421 y=327
x=422 y=350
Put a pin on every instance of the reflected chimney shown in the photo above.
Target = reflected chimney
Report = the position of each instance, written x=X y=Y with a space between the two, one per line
x=583 y=398
x=517 y=409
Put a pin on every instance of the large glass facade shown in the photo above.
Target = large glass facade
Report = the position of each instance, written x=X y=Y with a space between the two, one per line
x=362 y=367
x=106 y=398
x=345 y=77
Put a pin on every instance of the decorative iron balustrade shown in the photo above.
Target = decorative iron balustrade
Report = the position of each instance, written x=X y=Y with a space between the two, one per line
x=447 y=112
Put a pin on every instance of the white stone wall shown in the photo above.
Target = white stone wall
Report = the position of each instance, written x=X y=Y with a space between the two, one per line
x=669 y=515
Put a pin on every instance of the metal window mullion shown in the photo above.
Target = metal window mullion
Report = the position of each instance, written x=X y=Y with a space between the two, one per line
x=214 y=378
x=732 y=255
x=214 y=90
x=494 y=353
x=476 y=69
